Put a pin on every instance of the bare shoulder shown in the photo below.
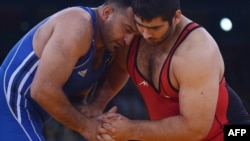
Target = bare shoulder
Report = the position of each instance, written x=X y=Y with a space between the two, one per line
x=73 y=18
x=198 y=54
x=199 y=44
x=74 y=27
x=73 y=13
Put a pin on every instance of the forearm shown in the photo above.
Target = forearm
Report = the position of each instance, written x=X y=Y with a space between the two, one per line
x=105 y=93
x=108 y=87
x=59 y=107
x=173 y=128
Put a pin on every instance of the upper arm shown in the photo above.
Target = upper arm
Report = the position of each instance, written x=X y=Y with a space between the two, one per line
x=116 y=74
x=197 y=70
x=113 y=80
x=69 y=41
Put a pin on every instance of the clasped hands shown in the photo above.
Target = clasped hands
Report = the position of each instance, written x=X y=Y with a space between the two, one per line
x=114 y=127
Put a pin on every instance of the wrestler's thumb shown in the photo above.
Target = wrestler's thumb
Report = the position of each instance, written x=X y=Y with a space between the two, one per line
x=113 y=109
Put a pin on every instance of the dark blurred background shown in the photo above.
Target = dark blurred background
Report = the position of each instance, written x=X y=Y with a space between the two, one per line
x=18 y=16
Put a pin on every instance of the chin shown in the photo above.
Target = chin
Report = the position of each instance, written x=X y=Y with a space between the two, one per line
x=152 y=43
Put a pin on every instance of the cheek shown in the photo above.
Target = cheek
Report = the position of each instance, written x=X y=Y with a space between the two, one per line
x=115 y=29
x=162 y=33
x=112 y=31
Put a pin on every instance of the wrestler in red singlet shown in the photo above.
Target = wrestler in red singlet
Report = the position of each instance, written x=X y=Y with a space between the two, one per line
x=164 y=102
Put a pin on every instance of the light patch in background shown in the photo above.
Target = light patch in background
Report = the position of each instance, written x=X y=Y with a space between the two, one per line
x=226 y=24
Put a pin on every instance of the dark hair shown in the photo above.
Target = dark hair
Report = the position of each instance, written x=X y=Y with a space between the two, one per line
x=149 y=9
x=119 y=3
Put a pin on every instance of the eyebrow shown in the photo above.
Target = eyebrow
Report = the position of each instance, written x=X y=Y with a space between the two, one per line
x=147 y=26
x=130 y=28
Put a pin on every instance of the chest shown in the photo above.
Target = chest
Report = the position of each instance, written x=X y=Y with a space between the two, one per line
x=85 y=75
x=150 y=62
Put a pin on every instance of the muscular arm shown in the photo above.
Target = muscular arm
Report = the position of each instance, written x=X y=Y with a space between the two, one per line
x=68 y=41
x=112 y=81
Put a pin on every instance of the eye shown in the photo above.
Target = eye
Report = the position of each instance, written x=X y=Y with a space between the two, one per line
x=137 y=24
x=128 y=30
x=154 y=27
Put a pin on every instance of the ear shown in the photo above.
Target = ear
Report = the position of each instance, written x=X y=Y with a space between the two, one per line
x=106 y=12
x=177 y=17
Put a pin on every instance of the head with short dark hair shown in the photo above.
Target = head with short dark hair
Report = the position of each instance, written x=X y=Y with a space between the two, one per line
x=116 y=23
x=149 y=9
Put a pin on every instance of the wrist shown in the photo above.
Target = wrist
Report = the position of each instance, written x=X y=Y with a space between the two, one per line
x=132 y=126
x=81 y=123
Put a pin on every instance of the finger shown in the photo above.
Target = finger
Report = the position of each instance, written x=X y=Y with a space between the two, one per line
x=107 y=137
x=99 y=137
x=102 y=130
x=105 y=119
x=113 y=109
x=108 y=127
x=104 y=137
x=99 y=117
x=108 y=116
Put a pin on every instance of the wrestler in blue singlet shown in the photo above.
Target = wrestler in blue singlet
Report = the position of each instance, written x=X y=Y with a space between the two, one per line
x=21 y=119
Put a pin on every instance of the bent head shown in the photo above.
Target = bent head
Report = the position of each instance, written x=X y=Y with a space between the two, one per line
x=156 y=18
x=118 y=23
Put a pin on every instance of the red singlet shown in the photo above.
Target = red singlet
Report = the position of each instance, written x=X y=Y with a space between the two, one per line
x=164 y=102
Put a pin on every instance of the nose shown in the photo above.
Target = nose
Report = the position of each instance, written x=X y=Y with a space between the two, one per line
x=145 y=33
x=128 y=39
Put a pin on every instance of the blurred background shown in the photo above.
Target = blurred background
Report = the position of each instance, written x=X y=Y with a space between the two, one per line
x=227 y=20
